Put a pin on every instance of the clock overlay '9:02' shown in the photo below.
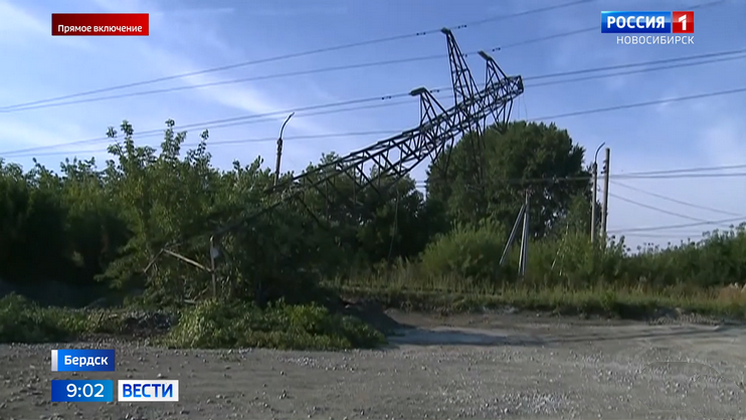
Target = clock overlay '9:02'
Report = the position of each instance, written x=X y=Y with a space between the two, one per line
x=82 y=390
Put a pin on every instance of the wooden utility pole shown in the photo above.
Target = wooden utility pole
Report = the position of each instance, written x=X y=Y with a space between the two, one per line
x=605 y=208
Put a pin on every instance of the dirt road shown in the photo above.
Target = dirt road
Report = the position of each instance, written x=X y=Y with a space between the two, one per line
x=464 y=367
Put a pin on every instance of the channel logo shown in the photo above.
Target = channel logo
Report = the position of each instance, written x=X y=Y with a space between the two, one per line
x=682 y=22
x=134 y=390
x=647 y=22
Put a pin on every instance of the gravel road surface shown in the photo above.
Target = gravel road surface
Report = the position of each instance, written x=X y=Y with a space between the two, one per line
x=490 y=366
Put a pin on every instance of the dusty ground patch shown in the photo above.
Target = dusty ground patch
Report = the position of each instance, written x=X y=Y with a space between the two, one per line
x=467 y=366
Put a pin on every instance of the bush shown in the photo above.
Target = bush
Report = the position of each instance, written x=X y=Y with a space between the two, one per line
x=572 y=261
x=22 y=321
x=467 y=252
x=214 y=324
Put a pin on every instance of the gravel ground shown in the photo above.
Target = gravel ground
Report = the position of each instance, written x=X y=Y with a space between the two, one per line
x=498 y=366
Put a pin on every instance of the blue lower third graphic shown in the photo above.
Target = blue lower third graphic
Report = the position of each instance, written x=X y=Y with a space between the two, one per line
x=82 y=390
x=83 y=360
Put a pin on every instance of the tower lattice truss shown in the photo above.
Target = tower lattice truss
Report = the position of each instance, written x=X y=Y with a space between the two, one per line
x=383 y=164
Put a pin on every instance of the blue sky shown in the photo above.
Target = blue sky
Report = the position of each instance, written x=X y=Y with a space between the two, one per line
x=192 y=35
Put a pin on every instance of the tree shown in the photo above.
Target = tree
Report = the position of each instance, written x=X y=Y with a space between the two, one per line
x=381 y=222
x=490 y=181
x=163 y=197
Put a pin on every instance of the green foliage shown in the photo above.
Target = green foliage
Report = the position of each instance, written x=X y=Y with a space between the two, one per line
x=32 y=224
x=513 y=159
x=717 y=259
x=95 y=230
x=22 y=321
x=467 y=252
x=214 y=324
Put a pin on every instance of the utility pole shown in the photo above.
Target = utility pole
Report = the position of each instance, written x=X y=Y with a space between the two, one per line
x=513 y=232
x=594 y=185
x=523 y=262
x=279 y=148
x=605 y=208
x=594 y=196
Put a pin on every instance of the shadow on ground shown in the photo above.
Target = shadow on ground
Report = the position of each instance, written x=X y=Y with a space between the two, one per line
x=445 y=336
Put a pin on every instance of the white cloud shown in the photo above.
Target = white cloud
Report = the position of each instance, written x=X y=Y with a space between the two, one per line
x=162 y=60
x=242 y=98
x=14 y=132
x=21 y=29
x=17 y=21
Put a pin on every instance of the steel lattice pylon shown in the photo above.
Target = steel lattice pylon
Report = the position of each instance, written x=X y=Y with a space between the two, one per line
x=393 y=158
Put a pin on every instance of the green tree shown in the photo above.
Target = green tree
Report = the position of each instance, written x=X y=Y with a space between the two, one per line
x=33 y=241
x=96 y=229
x=521 y=156
x=383 y=220
x=164 y=199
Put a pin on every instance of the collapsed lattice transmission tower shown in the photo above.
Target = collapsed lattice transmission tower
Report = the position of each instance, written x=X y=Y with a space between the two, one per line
x=384 y=163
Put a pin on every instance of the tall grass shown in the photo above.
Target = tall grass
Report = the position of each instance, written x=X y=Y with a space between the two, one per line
x=461 y=270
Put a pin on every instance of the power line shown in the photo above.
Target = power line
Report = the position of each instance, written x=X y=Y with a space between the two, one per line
x=678 y=171
x=673 y=200
x=243 y=119
x=552 y=180
x=683 y=175
x=341 y=47
x=642 y=104
x=422 y=183
x=637 y=64
x=298 y=54
x=712 y=58
x=249 y=119
x=250 y=140
x=685 y=225
x=664 y=236
x=46 y=104
x=643 y=205
x=636 y=71
x=535 y=181
x=221 y=83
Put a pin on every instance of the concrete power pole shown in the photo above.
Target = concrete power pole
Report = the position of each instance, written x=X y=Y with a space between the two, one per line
x=605 y=208
x=279 y=148
x=594 y=185
x=523 y=259
x=594 y=195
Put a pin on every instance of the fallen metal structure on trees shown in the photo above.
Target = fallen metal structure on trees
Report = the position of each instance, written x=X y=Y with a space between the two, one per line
x=382 y=164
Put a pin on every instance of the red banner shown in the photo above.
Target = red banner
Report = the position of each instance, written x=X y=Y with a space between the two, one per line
x=98 y=24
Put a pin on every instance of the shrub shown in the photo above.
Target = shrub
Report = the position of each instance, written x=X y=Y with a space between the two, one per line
x=572 y=261
x=467 y=252
x=22 y=321
x=214 y=324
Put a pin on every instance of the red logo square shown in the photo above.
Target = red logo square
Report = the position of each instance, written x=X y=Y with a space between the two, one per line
x=682 y=22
